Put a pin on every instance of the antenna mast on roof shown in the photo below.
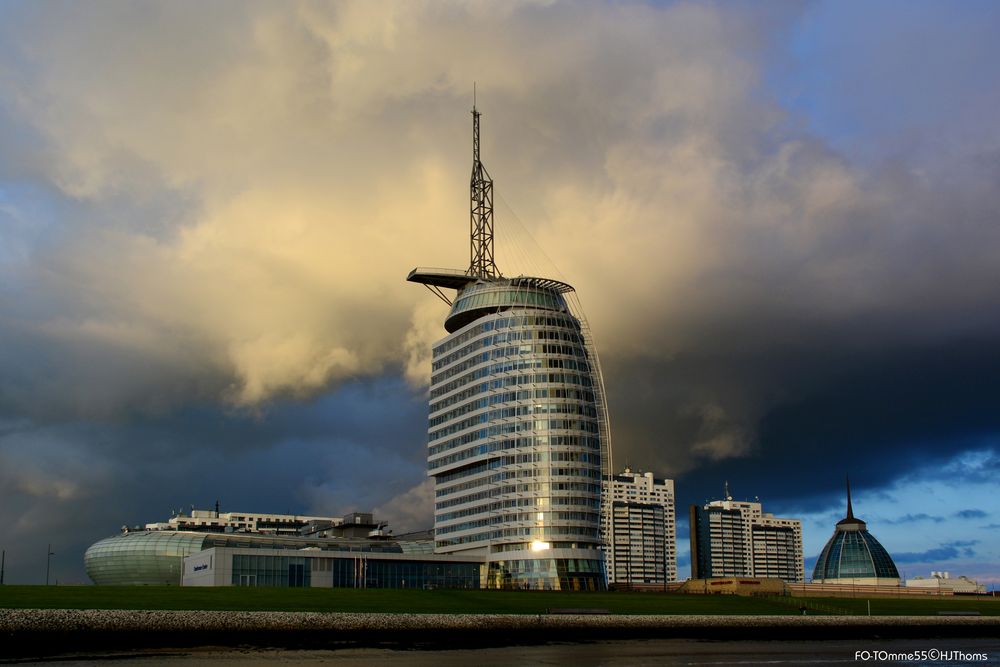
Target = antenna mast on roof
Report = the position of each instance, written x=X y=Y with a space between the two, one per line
x=481 y=218
x=850 y=510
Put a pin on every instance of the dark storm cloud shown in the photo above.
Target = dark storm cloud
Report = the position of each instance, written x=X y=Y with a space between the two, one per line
x=873 y=352
x=72 y=484
x=875 y=416
x=198 y=245
x=971 y=514
x=948 y=551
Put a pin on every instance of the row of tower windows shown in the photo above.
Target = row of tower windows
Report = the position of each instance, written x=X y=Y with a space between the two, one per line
x=530 y=533
x=580 y=409
x=534 y=457
x=519 y=427
x=514 y=516
x=508 y=397
x=494 y=480
x=542 y=501
x=507 y=367
x=504 y=353
x=521 y=443
x=509 y=322
x=513 y=381
x=524 y=546
x=494 y=464
x=508 y=337
x=504 y=475
x=503 y=397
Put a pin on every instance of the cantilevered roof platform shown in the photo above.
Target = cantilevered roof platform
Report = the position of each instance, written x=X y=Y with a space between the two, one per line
x=449 y=278
x=459 y=280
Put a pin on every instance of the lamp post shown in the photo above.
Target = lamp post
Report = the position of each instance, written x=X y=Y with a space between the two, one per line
x=48 y=561
x=3 y=563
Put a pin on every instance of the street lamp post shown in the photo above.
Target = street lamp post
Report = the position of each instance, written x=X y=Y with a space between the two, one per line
x=48 y=561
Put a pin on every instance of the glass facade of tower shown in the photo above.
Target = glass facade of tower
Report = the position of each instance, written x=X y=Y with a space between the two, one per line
x=514 y=440
x=854 y=554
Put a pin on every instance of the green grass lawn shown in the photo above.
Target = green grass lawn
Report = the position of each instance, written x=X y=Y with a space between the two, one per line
x=452 y=601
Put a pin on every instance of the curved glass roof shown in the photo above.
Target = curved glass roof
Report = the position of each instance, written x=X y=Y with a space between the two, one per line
x=489 y=297
x=153 y=558
x=156 y=557
x=854 y=554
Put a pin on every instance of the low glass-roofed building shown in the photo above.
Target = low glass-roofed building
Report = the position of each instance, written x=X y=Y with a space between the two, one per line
x=854 y=556
x=144 y=558
x=189 y=558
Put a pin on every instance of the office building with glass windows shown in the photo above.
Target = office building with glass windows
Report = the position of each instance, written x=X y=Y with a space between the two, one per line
x=199 y=558
x=853 y=556
x=731 y=538
x=324 y=567
x=252 y=549
x=518 y=440
x=641 y=536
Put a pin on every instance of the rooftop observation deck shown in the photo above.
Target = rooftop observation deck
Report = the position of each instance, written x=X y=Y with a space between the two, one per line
x=459 y=280
x=448 y=278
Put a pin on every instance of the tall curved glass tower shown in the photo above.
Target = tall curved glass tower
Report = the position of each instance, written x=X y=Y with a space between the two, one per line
x=517 y=435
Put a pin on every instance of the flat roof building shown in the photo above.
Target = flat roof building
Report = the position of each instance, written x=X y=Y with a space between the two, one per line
x=944 y=582
x=323 y=568
x=214 y=521
x=640 y=537
x=161 y=558
x=732 y=538
x=155 y=556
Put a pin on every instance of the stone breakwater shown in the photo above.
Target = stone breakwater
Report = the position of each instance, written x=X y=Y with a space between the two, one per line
x=52 y=631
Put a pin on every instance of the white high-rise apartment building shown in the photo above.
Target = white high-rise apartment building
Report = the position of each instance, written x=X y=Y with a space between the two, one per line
x=517 y=437
x=640 y=538
x=731 y=538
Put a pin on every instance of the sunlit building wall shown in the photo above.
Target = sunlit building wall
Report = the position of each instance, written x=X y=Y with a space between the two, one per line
x=640 y=537
x=514 y=440
x=732 y=538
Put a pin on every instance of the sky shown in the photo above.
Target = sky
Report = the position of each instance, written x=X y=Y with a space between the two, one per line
x=782 y=220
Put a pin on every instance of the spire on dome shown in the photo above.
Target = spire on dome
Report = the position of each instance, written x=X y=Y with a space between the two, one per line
x=851 y=521
x=850 y=510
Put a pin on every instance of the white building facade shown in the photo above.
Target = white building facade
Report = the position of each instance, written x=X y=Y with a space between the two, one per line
x=241 y=522
x=640 y=538
x=943 y=582
x=732 y=538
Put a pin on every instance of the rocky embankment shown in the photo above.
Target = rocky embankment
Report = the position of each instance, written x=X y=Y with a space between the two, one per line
x=46 y=632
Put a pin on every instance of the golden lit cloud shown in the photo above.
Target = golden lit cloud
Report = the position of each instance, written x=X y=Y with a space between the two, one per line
x=248 y=190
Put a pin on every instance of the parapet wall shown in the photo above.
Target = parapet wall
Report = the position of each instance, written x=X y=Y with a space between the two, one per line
x=734 y=586
x=862 y=590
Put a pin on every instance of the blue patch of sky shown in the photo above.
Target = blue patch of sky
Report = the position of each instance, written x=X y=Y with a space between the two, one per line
x=943 y=552
x=946 y=496
x=873 y=78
